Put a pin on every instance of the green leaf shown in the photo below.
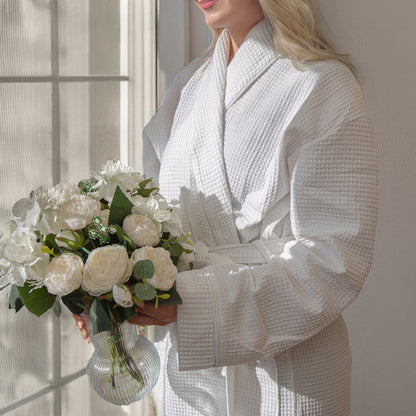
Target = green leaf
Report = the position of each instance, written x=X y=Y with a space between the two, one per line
x=14 y=300
x=143 y=183
x=144 y=291
x=74 y=302
x=123 y=238
x=144 y=269
x=56 y=307
x=37 y=301
x=147 y=192
x=174 y=298
x=99 y=318
x=122 y=314
x=51 y=243
x=121 y=206
x=176 y=250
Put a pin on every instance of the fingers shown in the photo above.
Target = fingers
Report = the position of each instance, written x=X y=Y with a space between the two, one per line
x=79 y=322
x=165 y=313
x=144 y=320
x=148 y=314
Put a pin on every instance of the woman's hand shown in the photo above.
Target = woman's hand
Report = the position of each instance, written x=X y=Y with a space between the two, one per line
x=147 y=314
x=81 y=325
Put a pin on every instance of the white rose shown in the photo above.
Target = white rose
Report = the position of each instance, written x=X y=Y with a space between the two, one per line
x=21 y=257
x=165 y=270
x=78 y=212
x=105 y=267
x=141 y=230
x=122 y=295
x=63 y=274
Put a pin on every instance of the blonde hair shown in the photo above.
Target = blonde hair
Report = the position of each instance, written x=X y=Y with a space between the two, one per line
x=297 y=33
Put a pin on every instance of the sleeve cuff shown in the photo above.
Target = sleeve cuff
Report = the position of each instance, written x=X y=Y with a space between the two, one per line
x=195 y=321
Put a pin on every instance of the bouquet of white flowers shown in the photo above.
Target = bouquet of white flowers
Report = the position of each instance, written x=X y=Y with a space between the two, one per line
x=100 y=247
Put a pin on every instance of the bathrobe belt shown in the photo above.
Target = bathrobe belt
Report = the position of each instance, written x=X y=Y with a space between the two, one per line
x=256 y=252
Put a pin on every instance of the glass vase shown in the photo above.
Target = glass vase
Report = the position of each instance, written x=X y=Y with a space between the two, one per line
x=124 y=366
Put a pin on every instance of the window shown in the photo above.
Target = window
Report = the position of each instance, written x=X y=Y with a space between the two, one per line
x=77 y=84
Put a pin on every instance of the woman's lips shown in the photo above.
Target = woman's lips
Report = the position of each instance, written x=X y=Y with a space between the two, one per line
x=205 y=4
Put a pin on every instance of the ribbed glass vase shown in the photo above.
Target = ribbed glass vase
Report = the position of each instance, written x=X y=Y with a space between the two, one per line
x=124 y=366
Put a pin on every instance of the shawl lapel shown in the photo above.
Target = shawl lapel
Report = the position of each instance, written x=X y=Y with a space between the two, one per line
x=219 y=88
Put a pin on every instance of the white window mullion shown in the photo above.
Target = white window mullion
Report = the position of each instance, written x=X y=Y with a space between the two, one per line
x=56 y=178
x=142 y=74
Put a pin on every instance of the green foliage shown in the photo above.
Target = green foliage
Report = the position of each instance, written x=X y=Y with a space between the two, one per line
x=121 y=206
x=87 y=185
x=173 y=299
x=51 y=243
x=15 y=302
x=144 y=291
x=142 y=190
x=74 y=302
x=143 y=269
x=122 y=314
x=37 y=301
x=124 y=239
x=99 y=317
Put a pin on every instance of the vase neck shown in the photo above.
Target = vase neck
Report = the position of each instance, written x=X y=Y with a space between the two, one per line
x=125 y=334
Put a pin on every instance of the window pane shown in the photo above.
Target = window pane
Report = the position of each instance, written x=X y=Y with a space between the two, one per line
x=90 y=126
x=91 y=404
x=26 y=351
x=26 y=143
x=41 y=406
x=89 y=37
x=74 y=350
x=25 y=34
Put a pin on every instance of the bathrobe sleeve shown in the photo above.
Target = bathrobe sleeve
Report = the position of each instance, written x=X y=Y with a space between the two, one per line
x=233 y=314
x=156 y=133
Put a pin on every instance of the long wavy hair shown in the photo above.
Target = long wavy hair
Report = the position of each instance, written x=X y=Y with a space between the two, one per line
x=297 y=33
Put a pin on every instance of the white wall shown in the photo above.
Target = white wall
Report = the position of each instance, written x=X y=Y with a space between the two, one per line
x=380 y=35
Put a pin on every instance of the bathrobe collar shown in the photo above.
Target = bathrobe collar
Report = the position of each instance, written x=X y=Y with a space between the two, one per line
x=219 y=88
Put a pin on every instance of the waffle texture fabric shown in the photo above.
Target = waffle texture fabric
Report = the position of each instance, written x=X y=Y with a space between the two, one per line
x=249 y=152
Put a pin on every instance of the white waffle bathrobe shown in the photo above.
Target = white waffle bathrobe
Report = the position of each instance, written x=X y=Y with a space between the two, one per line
x=279 y=166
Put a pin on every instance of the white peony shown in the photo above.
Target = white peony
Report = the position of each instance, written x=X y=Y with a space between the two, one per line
x=105 y=267
x=59 y=194
x=21 y=257
x=79 y=211
x=63 y=274
x=122 y=295
x=115 y=174
x=165 y=270
x=141 y=230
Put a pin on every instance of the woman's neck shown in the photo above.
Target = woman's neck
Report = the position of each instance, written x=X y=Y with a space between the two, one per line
x=237 y=36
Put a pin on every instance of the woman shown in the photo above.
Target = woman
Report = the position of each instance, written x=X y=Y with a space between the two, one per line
x=266 y=148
